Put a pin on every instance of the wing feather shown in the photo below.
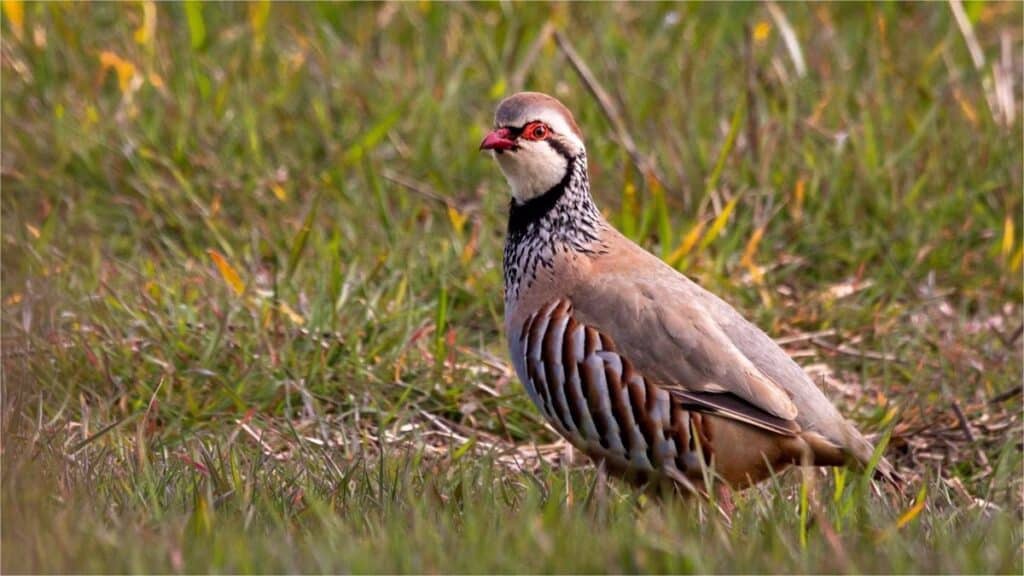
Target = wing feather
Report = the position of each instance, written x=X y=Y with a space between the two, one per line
x=669 y=336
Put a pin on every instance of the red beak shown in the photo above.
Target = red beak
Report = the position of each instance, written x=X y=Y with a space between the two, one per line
x=498 y=140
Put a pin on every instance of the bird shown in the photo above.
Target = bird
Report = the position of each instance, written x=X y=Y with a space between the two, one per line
x=653 y=377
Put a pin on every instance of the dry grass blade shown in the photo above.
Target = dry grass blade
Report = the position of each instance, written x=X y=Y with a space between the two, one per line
x=519 y=76
x=992 y=84
x=417 y=187
x=1009 y=394
x=102 y=432
x=789 y=37
x=965 y=425
x=805 y=336
x=644 y=164
x=854 y=352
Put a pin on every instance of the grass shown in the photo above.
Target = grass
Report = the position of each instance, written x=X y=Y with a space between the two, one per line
x=251 y=297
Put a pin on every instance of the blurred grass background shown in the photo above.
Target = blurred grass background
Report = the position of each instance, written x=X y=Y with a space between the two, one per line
x=251 y=297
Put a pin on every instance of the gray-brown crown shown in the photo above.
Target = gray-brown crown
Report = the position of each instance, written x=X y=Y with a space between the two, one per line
x=519 y=109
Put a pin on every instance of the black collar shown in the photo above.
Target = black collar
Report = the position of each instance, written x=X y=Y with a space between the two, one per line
x=522 y=215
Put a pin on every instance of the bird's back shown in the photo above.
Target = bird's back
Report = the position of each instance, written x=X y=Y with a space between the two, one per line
x=815 y=412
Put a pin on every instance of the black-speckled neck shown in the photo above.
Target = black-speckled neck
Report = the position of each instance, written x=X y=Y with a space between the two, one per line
x=562 y=219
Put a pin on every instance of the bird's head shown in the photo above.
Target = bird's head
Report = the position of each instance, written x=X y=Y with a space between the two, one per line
x=534 y=139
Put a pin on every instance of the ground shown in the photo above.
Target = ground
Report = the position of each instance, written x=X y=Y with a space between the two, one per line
x=251 y=293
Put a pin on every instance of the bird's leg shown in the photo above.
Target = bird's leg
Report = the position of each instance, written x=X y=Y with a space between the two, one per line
x=602 y=483
x=725 y=503
x=599 y=489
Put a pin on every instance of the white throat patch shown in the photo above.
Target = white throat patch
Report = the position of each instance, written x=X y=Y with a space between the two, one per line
x=533 y=169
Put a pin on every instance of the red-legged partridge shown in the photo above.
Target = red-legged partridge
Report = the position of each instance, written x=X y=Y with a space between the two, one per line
x=629 y=360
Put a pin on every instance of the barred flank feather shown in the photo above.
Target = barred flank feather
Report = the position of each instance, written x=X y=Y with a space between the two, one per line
x=596 y=398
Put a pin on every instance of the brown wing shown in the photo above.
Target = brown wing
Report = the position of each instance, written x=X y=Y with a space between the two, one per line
x=669 y=336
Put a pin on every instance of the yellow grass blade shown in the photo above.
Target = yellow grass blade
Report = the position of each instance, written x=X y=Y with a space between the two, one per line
x=914 y=510
x=469 y=250
x=292 y=315
x=1007 y=246
x=147 y=30
x=457 y=219
x=258 y=13
x=747 y=260
x=227 y=271
x=196 y=25
x=279 y=192
x=751 y=249
x=15 y=12
x=797 y=207
x=124 y=69
x=687 y=244
x=719 y=223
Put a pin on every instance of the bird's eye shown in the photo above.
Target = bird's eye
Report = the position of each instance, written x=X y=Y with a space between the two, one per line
x=536 y=131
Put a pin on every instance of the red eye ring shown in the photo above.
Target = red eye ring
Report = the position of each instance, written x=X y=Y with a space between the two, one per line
x=535 y=131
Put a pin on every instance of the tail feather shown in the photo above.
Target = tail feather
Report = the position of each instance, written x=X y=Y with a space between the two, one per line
x=885 y=471
x=857 y=452
x=863 y=451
